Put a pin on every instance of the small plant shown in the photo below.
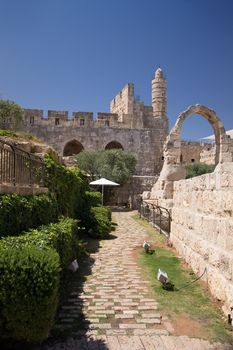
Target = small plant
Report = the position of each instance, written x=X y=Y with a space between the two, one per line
x=197 y=169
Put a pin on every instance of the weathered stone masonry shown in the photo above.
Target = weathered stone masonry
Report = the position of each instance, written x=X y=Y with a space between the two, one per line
x=202 y=228
x=131 y=125
x=201 y=207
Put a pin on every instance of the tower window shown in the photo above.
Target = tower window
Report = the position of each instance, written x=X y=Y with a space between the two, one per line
x=32 y=120
x=57 y=121
x=82 y=122
x=106 y=123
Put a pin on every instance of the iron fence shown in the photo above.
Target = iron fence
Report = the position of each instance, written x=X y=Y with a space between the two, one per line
x=18 y=167
x=158 y=216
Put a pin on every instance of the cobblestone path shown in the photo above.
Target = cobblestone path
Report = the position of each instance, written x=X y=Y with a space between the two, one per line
x=115 y=305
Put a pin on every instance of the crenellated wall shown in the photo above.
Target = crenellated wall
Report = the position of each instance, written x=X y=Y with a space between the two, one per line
x=202 y=228
x=130 y=125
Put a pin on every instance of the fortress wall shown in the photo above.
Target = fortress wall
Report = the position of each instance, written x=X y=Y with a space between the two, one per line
x=130 y=123
x=195 y=152
x=107 y=119
x=61 y=115
x=123 y=101
x=83 y=119
x=146 y=144
x=190 y=152
x=130 y=193
x=202 y=228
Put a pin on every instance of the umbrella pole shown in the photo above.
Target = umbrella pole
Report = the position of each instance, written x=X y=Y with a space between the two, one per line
x=102 y=194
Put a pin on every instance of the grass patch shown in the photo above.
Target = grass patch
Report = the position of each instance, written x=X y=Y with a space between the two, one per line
x=19 y=135
x=193 y=300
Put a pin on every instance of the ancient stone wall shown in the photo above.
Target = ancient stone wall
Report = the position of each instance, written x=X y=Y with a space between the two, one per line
x=123 y=102
x=202 y=228
x=129 y=194
x=191 y=152
x=146 y=144
x=130 y=125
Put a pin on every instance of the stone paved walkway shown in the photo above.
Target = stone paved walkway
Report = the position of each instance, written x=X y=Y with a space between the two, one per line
x=117 y=309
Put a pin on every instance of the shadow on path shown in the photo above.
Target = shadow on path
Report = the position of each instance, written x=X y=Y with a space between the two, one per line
x=72 y=329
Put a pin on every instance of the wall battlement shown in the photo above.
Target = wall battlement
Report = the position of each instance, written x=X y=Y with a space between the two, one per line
x=61 y=118
x=126 y=111
x=129 y=125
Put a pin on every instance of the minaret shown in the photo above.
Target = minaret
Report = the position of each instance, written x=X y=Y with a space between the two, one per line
x=159 y=95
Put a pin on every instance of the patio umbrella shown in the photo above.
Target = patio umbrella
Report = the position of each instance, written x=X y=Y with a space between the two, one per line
x=103 y=182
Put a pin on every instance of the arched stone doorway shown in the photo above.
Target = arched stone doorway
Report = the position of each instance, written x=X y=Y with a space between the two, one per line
x=172 y=168
x=72 y=148
x=114 y=145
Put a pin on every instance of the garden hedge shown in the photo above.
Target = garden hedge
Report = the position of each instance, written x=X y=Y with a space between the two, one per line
x=62 y=236
x=67 y=186
x=100 y=224
x=19 y=213
x=30 y=268
x=29 y=279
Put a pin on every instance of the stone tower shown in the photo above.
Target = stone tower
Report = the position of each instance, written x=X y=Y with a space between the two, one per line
x=159 y=95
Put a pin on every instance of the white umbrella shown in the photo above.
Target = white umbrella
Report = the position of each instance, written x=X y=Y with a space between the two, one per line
x=103 y=182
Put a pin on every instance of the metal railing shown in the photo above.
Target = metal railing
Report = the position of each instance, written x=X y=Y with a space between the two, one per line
x=159 y=217
x=18 y=167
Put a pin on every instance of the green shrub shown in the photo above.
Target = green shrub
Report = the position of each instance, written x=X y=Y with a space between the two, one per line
x=67 y=186
x=197 y=169
x=93 y=198
x=62 y=236
x=100 y=224
x=19 y=213
x=29 y=278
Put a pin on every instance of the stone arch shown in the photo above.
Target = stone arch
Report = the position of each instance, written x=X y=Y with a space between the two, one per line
x=114 y=145
x=172 y=168
x=72 y=147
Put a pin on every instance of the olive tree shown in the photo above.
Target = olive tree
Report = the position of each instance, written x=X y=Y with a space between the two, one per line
x=11 y=115
x=115 y=164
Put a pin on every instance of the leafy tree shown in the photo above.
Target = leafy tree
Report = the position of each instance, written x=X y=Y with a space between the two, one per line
x=88 y=161
x=197 y=169
x=11 y=114
x=116 y=165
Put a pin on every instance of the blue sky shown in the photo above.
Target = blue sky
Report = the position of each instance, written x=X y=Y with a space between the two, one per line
x=76 y=55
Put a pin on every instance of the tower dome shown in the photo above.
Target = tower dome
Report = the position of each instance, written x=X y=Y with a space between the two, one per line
x=159 y=73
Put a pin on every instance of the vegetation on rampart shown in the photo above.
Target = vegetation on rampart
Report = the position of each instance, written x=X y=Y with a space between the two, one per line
x=19 y=136
x=197 y=169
